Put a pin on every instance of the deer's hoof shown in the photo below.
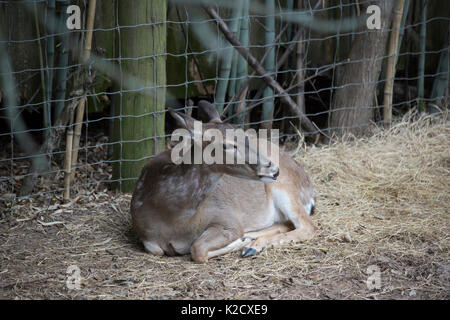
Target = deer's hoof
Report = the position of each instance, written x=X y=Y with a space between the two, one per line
x=250 y=251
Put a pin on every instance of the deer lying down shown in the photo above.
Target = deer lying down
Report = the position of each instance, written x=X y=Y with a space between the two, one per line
x=210 y=210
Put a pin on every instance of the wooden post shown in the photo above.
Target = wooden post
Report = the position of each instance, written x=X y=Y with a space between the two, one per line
x=139 y=111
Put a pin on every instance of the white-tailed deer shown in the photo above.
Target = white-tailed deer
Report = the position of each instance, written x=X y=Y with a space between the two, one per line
x=210 y=210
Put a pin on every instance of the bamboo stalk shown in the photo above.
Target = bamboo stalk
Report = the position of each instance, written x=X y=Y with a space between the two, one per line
x=402 y=28
x=260 y=70
x=402 y=31
x=421 y=67
x=291 y=27
x=77 y=135
x=299 y=73
x=290 y=9
x=47 y=115
x=329 y=43
x=441 y=82
x=242 y=66
x=232 y=90
x=194 y=57
x=358 y=9
x=82 y=105
x=354 y=14
x=61 y=73
x=50 y=44
x=68 y=158
x=392 y=59
x=225 y=66
x=300 y=69
x=269 y=64
x=90 y=27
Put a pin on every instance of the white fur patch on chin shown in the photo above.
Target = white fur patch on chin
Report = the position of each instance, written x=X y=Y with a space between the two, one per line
x=267 y=179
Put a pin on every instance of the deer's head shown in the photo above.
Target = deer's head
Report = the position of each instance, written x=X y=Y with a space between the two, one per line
x=224 y=148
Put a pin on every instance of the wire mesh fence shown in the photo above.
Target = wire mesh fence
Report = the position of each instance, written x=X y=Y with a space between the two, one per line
x=313 y=67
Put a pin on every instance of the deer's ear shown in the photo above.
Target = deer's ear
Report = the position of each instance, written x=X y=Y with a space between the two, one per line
x=183 y=120
x=209 y=112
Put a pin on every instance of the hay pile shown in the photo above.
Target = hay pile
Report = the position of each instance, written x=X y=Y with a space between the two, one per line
x=383 y=205
x=388 y=195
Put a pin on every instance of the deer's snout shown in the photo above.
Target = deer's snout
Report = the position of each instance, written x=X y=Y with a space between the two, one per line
x=275 y=171
x=269 y=172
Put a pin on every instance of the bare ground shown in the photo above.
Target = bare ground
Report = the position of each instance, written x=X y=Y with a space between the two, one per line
x=383 y=206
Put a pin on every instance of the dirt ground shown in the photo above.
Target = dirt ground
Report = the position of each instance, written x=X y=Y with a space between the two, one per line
x=382 y=208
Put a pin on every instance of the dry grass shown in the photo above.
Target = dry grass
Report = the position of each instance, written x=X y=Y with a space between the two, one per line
x=382 y=201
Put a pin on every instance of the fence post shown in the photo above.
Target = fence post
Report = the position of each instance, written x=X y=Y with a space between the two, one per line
x=140 y=109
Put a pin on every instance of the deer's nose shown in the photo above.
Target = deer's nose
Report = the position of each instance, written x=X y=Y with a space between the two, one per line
x=275 y=171
x=276 y=174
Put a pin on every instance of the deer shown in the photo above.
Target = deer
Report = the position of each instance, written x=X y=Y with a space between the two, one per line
x=209 y=210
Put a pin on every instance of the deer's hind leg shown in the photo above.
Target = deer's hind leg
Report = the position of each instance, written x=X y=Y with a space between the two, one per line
x=153 y=248
x=214 y=238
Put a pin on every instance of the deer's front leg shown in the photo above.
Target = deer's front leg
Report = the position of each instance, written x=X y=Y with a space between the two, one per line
x=305 y=231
